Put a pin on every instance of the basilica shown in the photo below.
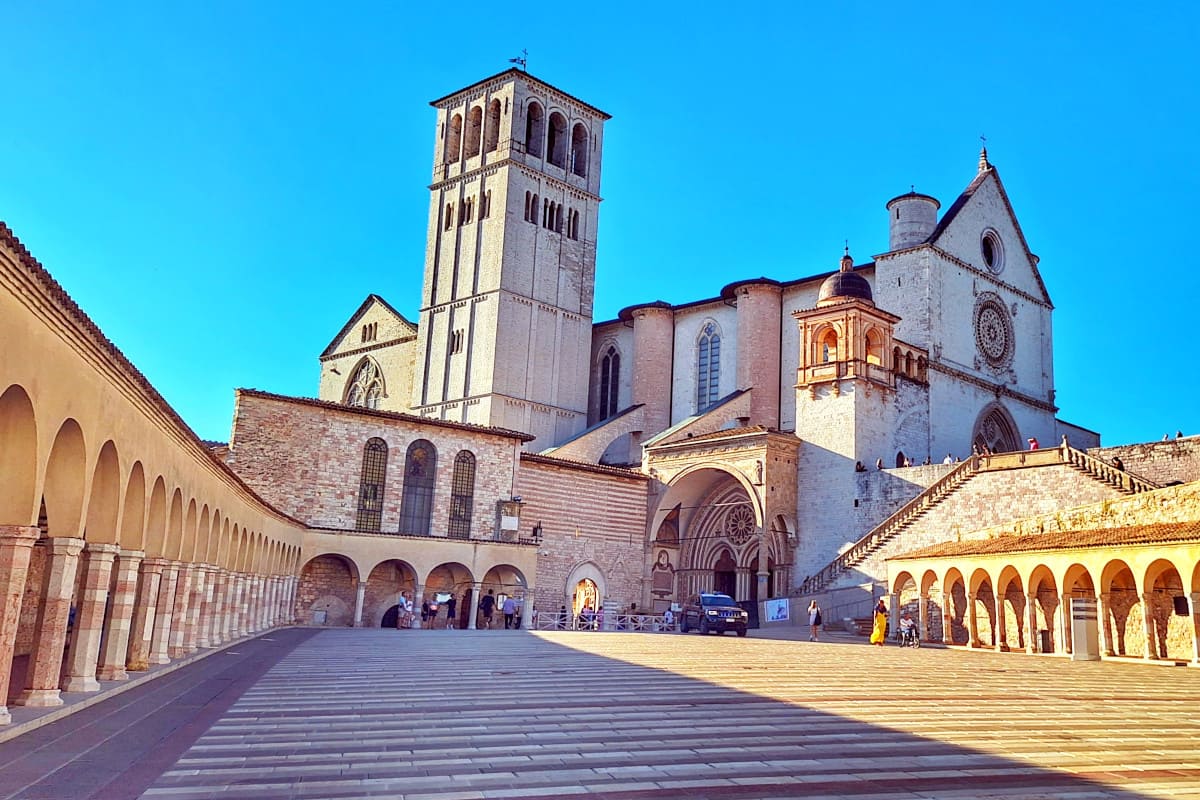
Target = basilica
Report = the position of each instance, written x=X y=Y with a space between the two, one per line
x=876 y=428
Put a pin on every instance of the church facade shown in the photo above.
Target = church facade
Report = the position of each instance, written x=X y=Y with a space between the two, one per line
x=753 y=411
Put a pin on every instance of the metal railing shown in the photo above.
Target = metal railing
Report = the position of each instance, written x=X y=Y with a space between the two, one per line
x=881 y=533
x=630 y=623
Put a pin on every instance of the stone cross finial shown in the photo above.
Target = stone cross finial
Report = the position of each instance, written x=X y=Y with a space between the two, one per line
x=984 y=166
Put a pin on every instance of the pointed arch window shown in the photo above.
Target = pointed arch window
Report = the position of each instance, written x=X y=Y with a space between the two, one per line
x=462 y=495
x=610 y=382
x=416 y=504
x=708 y=367
x=366 y=387
x=371 y=485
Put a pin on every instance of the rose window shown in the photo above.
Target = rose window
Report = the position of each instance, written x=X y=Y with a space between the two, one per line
x=739 y=524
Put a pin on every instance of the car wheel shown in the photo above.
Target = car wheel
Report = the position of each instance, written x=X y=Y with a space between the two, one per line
x=704 y=627
x=741 y=632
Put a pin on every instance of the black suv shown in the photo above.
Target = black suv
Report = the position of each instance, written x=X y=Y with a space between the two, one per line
x=708 y=612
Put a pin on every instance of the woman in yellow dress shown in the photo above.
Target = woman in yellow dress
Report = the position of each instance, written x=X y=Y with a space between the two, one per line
x=879 y=632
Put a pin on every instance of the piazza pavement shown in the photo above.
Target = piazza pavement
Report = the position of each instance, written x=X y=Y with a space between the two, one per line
x=310 y=713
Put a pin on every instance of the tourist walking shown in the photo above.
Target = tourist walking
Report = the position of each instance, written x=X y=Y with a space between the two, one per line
x=879 y=631
x=451 y=605
x=487 y=605
x=814 y=620
x=509 y=608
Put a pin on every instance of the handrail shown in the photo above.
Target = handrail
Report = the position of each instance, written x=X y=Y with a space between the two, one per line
x=554 y=621
x=878 y=535
x=1106 y=471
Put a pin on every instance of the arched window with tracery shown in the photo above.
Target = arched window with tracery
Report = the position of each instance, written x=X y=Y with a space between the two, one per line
x=579 y=150
x=371 y=485
x=708 y=367
x=534 y=129
x=462 y=495
x=996 y=431
x=366 y=386
x=453 y=139
x=416 y=504
x=491 y=132
x=556 y=140
x=610 y=382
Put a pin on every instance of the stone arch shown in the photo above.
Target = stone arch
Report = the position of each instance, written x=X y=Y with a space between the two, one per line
x=187 y=536
x=556 y=140
x=133 y=510
x=1044 y=594
x=327 y=590
x=453 y=139
x=491 y=131
x=223 y=544
x=385 y=581
x=174 y=540
x=456 y=579
x=105 y=500
x=156 y=520
x=825 y=344
x=1170 y=632
x=366 y=385
x=1010 y=590
x=984 y=594
x=18 y=458
x=873 y=342
x=474 y=132
x=996 y=430
x=579 y=149
x=63 y=491
x=954 y=598
x=584 y=571
x=535 y=124
x=203 y=530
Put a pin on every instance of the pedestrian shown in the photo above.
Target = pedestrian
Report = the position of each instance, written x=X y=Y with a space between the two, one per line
x=434 y=608
x=600 y=618
x=879 y=631
x=425 y=612
x=451 y=605
x=879 y=463
x=949 y=459
x=858 y=467
x=669 y=620
x=509 y=608
x=405 y=611
x=487 y=605
x=814 y=620
x=1118 y=463
x=1033 y=443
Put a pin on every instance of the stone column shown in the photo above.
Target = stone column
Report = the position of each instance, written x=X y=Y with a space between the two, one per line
x=289 y=599
x=972 y=622
x=253 y=603
x=164 y=617
x=1148 y=626
x=239 y=606
x=947 y=618
x=360 y=596
x=118 y=621
x=144 y=614
x=276 y=585
x=1193 y=605
x=1032 y=645
x=216 y=621
x=923 y=617
x=1064 y=623
x=16 y=547
x=45 y=660
x=195 y=609
x=1001 y=624
x=1106 y=633
x=473 y=609
x=204 y=627
x=179 y=612
x=97 y=564
x=419 y=598
x=527 y=609
x=229 y=606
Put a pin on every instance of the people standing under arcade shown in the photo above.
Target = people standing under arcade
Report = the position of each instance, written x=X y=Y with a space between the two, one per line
x=879 y=631
x=509 y=608
x=451 y=607
x=488 y=606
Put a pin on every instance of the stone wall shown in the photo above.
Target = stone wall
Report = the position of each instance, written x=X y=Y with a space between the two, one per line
x=1175 y=460
x=326 y=585
x=987 y=499
x=306 y=457
x=586 y=514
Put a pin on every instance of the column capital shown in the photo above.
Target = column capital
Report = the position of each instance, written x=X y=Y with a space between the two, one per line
x=98 y=549
x=129 y=555
x=19 y=535
x=63 y=545
x=154 y=564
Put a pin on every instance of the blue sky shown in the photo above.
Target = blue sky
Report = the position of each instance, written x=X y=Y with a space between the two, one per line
x=220 y=185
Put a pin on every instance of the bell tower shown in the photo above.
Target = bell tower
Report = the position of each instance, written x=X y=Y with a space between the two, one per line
x=506 y=308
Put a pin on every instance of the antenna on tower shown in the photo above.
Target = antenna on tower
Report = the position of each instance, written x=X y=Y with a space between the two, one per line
x=522 y=60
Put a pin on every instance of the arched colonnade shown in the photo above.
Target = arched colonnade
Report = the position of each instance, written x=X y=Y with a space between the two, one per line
x=1148 y=599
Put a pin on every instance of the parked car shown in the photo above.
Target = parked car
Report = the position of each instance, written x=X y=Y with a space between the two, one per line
x=710 y=611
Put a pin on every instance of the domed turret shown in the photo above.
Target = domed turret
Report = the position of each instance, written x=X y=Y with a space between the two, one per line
x=912 y=219
x=845 y=284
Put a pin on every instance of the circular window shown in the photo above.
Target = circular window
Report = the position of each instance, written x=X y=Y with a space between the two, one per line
x=739 y=524
x=993 y=331
x=992 y=251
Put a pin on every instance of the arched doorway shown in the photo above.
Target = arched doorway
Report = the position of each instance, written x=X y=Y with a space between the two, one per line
x=995 y=431
x=586 y=595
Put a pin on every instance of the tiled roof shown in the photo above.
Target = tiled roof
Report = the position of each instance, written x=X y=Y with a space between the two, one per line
x=1062 y=540
x=392 y=415
x=603 y=469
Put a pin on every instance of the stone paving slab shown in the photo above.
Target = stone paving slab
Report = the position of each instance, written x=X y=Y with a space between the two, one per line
x=456 y=715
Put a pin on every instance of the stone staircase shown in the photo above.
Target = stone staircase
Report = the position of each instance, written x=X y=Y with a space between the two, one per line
x=925 y=504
